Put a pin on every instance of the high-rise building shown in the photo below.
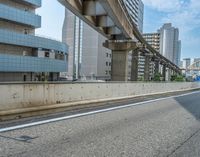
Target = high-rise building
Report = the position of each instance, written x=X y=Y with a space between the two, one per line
x=136 y=11
x=24 y=56
x=170 y=45
x=178 y=54
x=87 y=59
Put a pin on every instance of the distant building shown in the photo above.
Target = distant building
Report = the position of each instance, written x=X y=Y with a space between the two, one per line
x=166 y=41
x=196 y=60
x=87 y=59
x=24 y=56
x=170 y=45
x=186 y=63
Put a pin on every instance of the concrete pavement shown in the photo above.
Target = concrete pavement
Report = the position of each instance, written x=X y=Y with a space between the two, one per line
x=167 y=127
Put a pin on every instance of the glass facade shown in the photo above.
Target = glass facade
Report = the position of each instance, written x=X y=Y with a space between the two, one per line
x=13 y=38
x=19 y=16
x=14 y=63
x=136 y=10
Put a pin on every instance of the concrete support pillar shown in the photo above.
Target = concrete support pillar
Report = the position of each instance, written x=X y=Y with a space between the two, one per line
x=146 y=68
x=164 y=72
x=134 y=65
x=172 y=72
x=119 y=66
x=156 y=66
x=168 y=75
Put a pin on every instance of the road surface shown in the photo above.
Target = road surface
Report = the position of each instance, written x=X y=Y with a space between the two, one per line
x=162 y=128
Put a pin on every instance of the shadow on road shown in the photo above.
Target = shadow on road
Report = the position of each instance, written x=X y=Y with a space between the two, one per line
x=191 y=103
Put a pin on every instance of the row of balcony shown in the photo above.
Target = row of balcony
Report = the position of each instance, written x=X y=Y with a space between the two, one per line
x=14 y=63
x=19 y=16
x=13 y=38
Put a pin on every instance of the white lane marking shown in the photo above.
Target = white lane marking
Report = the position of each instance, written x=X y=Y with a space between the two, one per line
x=88 y=113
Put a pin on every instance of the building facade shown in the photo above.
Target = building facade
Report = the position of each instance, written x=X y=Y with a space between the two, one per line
x=136 y=11
x=24 y=56
x=153 y=39
x=87 y=58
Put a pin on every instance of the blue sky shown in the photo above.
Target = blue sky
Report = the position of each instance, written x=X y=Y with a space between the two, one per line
x=184 y=14
x=52 y=13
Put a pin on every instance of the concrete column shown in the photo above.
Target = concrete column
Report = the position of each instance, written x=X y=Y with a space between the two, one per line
x=156 y=66
x=134 y=66
x=164 y=72
x=168 y=74
x=146 y=68
x=172 y=72
x=119 y=66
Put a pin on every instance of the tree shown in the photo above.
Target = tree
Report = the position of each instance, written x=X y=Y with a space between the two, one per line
x=177 y=78
x=157 y=77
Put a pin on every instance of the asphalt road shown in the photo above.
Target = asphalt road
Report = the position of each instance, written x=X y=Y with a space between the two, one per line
x=167 y=128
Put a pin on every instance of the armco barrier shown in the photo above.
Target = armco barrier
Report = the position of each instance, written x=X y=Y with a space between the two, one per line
x=25 y=96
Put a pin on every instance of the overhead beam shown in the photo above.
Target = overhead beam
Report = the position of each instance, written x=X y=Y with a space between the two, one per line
x=104 y=21
x=93 y=8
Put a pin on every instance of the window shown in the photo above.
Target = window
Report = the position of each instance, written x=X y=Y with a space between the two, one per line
x=46 y=54
x=106 y=72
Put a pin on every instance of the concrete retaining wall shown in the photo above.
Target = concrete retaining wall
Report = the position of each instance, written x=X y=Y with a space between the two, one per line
x=18 y=96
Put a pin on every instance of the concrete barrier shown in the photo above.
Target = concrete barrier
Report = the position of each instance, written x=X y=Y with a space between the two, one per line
x=18 y=98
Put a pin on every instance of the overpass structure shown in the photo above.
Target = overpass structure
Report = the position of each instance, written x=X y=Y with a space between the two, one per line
x=111 y=19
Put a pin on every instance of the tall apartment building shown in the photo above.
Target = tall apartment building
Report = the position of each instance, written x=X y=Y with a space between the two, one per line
x=136 y=11
x=88 y=59
x=24 y=56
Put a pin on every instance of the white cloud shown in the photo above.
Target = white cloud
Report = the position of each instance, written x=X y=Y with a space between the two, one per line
x=164 y=5
x=181 y=13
